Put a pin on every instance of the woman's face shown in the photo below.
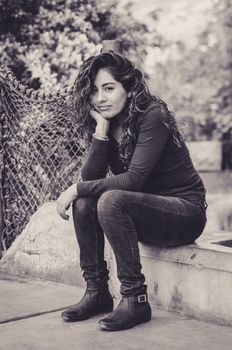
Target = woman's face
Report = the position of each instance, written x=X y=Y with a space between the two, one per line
x=108 y=96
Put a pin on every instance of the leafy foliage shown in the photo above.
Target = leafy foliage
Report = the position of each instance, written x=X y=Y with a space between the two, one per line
x=46 y=41
x=197 y=81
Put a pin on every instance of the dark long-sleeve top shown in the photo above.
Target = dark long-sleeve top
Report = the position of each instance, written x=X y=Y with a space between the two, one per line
x=158 y=165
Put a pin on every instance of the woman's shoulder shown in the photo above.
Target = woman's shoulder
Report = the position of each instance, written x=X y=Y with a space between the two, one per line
x=152 y=104
x=153 y=110
x=155 y=116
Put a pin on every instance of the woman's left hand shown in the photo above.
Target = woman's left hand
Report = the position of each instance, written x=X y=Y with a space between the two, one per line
x=64 y=201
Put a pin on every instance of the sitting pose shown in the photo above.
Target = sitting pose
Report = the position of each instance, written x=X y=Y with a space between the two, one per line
x=153 y=195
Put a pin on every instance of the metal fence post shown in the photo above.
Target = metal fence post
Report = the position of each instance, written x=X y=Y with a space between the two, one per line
x=2 y=223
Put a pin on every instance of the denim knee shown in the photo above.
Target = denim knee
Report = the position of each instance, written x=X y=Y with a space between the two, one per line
x=84 y=205
x=109 y=201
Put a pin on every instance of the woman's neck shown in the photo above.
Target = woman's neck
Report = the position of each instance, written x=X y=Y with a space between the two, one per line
x=121 y=117
x=116 y=130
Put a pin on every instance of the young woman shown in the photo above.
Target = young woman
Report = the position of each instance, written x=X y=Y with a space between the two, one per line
x=154 y=194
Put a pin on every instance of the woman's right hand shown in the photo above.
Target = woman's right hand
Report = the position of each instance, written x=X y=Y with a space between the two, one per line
x=96 y=116
x=102 y=126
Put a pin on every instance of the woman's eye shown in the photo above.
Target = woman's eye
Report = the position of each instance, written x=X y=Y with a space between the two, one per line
x=109 y=88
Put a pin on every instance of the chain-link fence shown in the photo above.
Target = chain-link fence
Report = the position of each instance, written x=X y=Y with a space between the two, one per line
x=41 y=151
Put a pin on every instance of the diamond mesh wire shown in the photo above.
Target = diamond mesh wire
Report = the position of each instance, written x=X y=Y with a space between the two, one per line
x=41 y=150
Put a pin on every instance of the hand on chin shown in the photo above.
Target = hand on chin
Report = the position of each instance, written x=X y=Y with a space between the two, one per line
x=106 y=116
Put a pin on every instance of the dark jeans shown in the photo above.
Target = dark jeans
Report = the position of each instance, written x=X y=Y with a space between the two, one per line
x=128 y=217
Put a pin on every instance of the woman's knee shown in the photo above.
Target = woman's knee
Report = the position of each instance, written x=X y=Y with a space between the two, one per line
x=109 y=201
x=84 y=205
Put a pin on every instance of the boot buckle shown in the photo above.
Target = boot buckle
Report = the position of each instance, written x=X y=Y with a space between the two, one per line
x=142 y=298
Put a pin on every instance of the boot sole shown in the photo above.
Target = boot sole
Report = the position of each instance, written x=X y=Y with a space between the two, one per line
x=105 y=327
x=73 y=319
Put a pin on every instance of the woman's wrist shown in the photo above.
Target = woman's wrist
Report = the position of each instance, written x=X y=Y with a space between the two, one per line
x=73 y=190
x=99 y=137
x=102 y=129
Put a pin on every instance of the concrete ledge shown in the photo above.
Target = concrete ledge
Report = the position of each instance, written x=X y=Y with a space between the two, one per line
x=193 y=280
x=200 y=255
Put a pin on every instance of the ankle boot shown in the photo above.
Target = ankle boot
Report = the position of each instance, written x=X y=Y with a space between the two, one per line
x=131 y=311
x=95 y=301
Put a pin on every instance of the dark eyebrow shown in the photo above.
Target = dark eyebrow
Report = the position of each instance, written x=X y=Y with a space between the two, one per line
x=110 y=83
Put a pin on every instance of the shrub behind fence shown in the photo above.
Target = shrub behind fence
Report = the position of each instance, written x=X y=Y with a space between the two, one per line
x=41 y=151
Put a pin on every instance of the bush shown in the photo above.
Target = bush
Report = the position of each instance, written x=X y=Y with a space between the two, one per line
x=46 y=41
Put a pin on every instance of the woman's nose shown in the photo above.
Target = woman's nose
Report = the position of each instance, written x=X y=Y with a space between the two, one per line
x=101 y=96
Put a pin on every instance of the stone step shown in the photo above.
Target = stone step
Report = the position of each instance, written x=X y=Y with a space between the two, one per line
x=193 y=280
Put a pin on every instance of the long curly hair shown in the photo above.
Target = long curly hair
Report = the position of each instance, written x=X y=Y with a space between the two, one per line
x=131 y=78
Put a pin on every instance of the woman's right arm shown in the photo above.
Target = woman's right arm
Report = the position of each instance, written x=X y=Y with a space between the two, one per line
x=95 y=166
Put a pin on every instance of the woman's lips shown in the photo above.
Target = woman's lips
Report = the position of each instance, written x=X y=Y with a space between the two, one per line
x=103 y=108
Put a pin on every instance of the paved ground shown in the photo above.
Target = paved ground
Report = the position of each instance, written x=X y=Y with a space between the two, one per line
x=29 y=320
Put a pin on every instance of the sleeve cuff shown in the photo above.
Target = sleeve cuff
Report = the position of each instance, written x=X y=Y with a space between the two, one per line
x=105 y=138
x=99 y=145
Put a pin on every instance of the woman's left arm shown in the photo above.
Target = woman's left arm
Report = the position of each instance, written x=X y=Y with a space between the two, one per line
x=152 y=137
x=151 y=140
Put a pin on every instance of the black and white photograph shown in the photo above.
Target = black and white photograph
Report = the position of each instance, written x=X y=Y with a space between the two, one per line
x=115 y=174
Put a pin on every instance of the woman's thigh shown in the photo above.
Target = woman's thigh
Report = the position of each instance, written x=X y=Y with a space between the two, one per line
x=163 y=221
